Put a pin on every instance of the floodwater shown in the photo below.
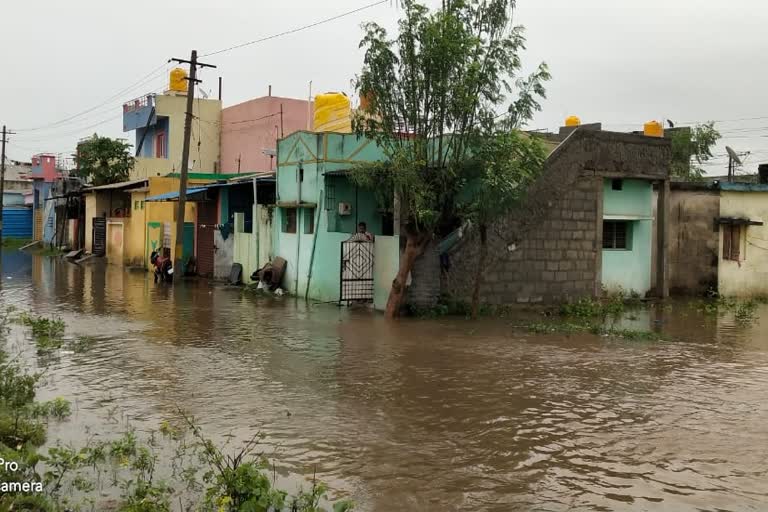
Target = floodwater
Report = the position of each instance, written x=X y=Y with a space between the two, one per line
x=423 y=415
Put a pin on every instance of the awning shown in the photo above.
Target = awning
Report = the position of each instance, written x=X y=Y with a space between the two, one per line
x=738 y=221
x=119 y=186
x=174 y=196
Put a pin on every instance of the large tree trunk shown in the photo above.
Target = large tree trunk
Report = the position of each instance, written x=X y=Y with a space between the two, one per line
x=479 y=270
x=414 y=247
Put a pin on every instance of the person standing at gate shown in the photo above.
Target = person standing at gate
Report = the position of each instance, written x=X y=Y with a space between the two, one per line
x=362 y=234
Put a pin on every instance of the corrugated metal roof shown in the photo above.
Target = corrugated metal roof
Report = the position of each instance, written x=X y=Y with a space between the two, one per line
x=118 y=186
x=743 y=187
x=174 y=196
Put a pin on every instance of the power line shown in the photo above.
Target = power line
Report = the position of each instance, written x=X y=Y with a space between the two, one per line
x=147 y=78
x=298 y=29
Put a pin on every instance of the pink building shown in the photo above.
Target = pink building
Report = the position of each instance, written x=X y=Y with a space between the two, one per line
x=250 y=129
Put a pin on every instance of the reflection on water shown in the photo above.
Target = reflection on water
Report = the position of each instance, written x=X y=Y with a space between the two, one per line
x=422 y=415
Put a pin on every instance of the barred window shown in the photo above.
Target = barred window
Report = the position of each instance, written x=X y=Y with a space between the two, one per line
x=616 y=234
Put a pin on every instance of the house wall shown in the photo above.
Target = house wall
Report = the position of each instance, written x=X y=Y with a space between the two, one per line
x=629 y=270
x=171 y=111
x=549 y=247
x=693 y=240
x=748 y=277
x=207 y=130
x=136 y=232
x=246 y=245
x=318 y=154
x=253 y=126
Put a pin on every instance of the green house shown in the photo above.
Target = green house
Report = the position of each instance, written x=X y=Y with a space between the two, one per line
x=318 y=211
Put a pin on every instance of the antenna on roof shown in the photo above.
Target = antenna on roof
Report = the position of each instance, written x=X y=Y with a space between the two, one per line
x=733 y=161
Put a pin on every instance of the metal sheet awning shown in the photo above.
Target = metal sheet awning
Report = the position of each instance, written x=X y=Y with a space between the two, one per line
x=119 y=186
x=739 y=221
x=174 y=196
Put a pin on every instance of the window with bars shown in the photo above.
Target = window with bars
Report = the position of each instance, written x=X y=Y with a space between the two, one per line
x=617 y=234
x=289 y=220
x=309 y=221
x=732 y=242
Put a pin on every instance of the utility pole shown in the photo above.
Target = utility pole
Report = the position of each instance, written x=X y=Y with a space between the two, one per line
x=2 y=178
x=178 y=263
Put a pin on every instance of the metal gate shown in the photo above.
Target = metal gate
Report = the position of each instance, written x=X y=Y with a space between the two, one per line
x=206 y=224
x=356 y=271
x=99 y=236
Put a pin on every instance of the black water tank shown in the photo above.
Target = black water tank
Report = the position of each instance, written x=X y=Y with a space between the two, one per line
x=762 y=172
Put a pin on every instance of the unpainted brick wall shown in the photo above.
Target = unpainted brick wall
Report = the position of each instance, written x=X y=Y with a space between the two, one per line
x=549 y=248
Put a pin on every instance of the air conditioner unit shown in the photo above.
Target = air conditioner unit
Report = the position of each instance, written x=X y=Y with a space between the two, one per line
x=345 y=209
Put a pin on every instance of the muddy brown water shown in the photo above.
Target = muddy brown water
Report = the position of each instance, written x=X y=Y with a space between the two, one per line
x=436 y=414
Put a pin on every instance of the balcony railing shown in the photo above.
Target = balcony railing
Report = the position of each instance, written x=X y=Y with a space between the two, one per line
x=139 y=103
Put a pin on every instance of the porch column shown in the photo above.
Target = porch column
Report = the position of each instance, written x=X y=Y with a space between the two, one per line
x=662 y=242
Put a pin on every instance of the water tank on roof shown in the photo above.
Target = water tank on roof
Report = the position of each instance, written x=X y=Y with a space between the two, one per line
x=333 y=113
x=572 y=121
x=653 y=129
x=178 y=80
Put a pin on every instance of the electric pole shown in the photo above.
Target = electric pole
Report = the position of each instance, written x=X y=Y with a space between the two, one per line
x=2 y=178
x=178 y=263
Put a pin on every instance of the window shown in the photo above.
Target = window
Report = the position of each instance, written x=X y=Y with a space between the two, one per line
x=732 y=242
x=160 y=145
x=309 y=220
x=289 y=220
x=617 y=234
x=617 y=184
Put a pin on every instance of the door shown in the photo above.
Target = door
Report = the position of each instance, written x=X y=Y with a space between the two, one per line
x=207 y=217
x=115 y=243
x=356 y=271
x=99 y=236
x=188 y=241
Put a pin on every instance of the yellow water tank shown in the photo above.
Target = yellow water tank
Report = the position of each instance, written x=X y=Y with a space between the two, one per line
x=653 y=129
x=333 y=113
x=572 y=121
x=178 y=80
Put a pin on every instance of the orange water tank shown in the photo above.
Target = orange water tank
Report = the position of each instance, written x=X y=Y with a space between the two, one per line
x=572 y=121
x=653 y=129
x=178 y=81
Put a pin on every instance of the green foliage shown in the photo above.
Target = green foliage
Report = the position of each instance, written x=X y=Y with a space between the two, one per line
x=48 y=333
x=58 y=408
x=611 y=306
x=15 y=243
x=433 y=93
x=498 y=175
x=565 y=327
x=692 y=147
x=101 y=160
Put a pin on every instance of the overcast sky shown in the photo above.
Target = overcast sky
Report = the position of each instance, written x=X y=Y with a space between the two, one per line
x=684 y=60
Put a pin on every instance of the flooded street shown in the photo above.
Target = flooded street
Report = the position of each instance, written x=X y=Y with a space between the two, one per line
x=429 y=414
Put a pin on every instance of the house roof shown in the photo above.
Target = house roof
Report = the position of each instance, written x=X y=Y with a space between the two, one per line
x=120 y=186
x=174 y=196
x=743 y=187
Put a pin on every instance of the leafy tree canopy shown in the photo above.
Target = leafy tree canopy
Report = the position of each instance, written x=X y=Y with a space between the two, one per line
x=433 y=96
x=101 y=160
x=692 y=147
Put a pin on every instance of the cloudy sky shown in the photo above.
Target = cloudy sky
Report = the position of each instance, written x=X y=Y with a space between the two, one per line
x=684 y=60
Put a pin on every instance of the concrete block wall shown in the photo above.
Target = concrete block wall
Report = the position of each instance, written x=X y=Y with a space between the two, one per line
x=424 y=290
x=548 y=248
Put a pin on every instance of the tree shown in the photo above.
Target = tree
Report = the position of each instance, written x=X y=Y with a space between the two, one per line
x=432 y=99
x=498 y=178
x=101 y=160
x=691 y=147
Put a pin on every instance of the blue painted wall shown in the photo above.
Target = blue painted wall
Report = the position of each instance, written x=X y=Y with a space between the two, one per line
x=17 y=222
x=138 y=118
x=317 y=154
x=629 y=270
x=148 y=148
